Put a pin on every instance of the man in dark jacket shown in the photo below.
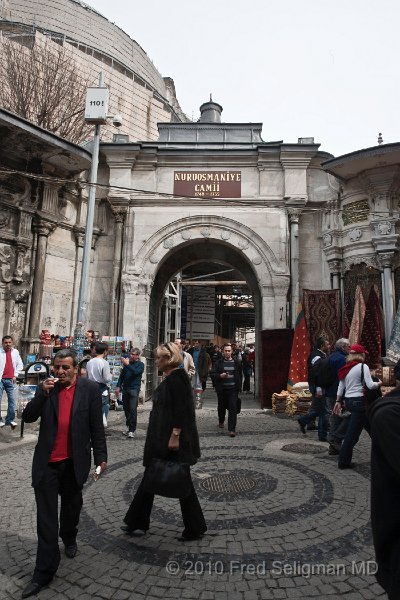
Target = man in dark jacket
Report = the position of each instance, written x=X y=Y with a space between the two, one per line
x=70 y=421
x=227 y=377
x=384 y=418
x=318 y=406
x=130 y=381
x=337 y=424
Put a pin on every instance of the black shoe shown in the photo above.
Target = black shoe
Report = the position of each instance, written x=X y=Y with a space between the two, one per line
x=189 y=537
x=350 y=466
x=135 y=532
x=31 y=589
x=71 y=550
x=332 y=450
x=302 y=428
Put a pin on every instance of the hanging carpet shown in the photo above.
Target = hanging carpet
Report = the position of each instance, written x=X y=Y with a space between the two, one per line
x=275 y=347
x=393 y=349
x=322 y=313
x=371 y=337
x=300 y=351
x=358 y=318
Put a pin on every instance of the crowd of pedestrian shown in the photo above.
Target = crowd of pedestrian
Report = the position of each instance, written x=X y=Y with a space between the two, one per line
x=73 y=407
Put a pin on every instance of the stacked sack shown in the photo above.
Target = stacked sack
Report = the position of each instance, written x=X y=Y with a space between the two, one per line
x=279 y=402
x=295 y=402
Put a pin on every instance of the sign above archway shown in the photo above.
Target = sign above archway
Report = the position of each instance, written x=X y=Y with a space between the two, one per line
x=208 y=184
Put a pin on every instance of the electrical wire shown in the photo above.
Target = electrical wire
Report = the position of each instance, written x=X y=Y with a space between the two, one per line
x=233 y=201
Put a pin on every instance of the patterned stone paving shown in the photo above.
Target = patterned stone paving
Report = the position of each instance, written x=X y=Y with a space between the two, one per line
x=301 y=531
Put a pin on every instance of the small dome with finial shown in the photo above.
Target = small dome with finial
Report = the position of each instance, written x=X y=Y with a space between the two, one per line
x=210 y=112
x=380 y=138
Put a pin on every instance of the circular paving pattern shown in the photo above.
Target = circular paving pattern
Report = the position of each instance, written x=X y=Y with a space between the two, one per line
x=282 y=494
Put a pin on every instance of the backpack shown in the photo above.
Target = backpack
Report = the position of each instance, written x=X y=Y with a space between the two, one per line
x=324 y=373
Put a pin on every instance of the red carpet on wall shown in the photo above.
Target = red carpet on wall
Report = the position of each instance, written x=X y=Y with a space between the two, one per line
x=300 y=351
x=276 y=346
x=322 y=312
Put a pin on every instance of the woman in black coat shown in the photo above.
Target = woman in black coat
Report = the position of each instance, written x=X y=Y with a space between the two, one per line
x=172 y=432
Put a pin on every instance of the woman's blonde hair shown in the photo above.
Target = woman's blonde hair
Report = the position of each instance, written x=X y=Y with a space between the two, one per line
x=171 y=351
x=356 y=357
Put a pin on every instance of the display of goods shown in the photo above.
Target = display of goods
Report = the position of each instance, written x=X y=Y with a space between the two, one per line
x=80 y=341
x=279 y=402
x=386 y=375
x=303 y=404
x=291 y=403
x=45 y=337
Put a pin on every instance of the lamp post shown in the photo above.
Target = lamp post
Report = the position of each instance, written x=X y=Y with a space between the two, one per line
x=95 y=112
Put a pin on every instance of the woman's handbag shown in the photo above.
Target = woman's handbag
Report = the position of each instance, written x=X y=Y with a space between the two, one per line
x=167 y=478
x=370 y=395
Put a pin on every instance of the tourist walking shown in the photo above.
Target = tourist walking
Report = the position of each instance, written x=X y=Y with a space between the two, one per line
x=10 y=365
x=318 y=404
x=352 y=378
x=129 y=383
x=227 y=377
x=69 y=408
x=98 y=370
x=337 y=423
x=171 y=434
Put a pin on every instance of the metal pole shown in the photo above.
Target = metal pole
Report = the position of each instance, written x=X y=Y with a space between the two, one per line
x=84 y=283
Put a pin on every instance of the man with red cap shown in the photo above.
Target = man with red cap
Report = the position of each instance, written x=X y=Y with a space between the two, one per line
x=353 y=376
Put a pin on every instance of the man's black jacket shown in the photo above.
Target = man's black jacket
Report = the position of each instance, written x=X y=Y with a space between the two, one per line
x=86 y=428
x=219 y=368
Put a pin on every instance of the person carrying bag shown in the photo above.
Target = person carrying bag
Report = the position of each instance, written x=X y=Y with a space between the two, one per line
x=353 y=377
x=172 y=445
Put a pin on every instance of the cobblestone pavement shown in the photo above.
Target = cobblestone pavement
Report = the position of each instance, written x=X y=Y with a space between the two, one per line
x=293 y=525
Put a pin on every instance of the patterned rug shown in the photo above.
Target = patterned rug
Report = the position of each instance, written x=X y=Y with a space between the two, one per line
x=393 y=349
x=300 y=351
x=322 y=313
x=371 y=337
x=276 y=346
x=357 y=321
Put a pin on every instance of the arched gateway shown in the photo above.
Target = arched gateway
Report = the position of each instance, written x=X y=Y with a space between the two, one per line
x=215 y=193
x=188 y=241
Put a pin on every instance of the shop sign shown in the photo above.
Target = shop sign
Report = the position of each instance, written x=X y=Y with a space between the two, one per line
x=208 y=184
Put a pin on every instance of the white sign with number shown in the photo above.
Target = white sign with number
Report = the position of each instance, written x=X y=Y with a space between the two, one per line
x=96 y=108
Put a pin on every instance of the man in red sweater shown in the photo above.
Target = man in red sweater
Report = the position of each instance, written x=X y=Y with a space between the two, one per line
x=71 y=421
x=10 y=365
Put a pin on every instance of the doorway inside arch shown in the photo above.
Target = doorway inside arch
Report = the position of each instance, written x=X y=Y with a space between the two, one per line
x=204 y=291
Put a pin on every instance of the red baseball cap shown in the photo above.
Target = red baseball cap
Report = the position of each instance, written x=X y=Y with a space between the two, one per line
x=358 y=349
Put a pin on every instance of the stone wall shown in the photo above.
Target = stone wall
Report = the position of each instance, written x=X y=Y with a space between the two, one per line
x=137 y=90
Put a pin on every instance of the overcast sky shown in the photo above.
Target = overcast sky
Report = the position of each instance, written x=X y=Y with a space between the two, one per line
x=327 y=69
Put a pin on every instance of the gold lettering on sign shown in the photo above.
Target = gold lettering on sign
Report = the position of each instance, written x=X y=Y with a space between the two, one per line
x=211 y=184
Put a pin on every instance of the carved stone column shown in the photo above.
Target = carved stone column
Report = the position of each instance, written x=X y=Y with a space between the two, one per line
x=42 y=229
x=336 y=270
x=294 y=215
x=386 y=262
x=119 y=217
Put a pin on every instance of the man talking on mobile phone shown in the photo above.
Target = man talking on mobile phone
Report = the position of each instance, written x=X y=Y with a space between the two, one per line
x=71 y=420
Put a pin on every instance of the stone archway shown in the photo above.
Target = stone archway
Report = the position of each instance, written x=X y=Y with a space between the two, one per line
x=188 y=240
